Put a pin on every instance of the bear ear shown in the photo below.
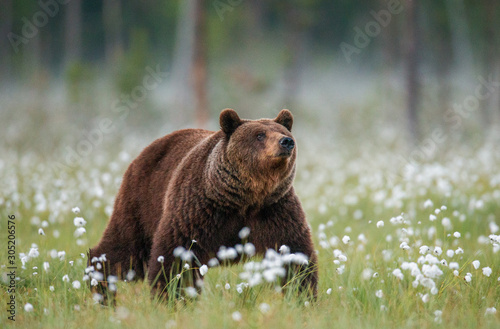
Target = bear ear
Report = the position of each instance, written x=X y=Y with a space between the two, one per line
x=285 y=118
x=229 y=121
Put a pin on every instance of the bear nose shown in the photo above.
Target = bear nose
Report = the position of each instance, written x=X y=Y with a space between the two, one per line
x=287 y=143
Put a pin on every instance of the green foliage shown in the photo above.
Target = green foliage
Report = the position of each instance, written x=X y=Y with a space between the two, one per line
x=79 y=77
x=131 y=71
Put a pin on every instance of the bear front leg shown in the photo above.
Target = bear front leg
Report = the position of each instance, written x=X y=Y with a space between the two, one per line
x=170 y=266
x=284 y=223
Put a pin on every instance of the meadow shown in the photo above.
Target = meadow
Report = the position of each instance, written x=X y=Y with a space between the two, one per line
x=400 y=245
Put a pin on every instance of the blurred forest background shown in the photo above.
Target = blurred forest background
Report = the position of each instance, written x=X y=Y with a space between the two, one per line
x=383 y=69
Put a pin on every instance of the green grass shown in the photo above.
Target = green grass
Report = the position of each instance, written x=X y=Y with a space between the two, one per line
x=352 y=193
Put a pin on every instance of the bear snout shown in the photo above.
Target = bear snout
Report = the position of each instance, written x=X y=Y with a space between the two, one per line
x=287 y=144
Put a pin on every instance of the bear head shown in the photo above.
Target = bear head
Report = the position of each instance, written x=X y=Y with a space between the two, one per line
x=264 y=150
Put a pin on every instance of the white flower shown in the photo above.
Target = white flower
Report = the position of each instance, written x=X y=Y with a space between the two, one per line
x=428 y=203
x=76 y=284
x=33 y=252
x=367 y=274
x=40 y=231
x=459 y=251
x=437 y=316
x=265 y=308
x=438 y=251
x=489 y=310
x=284 y=249
x=236 y=316
x=432 y=217
x=79 y=221
x=487 y=271
x=244 y=233
x=94 y=282
x=476 y=264
x=51 y=288
x=457 y=235
x=79 y=232
x=203 y=270
x=191 y=292
x=424 y=249
x=160 y=259
x=186 y=266
x=404 y=246
x=178 y=251
x=398 y=274
x=425 y=298
x=329 y=291
x=380 y=224
x=213 y=262
x=346 y=239
x=75 y=210
x=227 y=253
x=130 y=275
x=249 y=249
x=468 y=277
x=28 y=307
x=65 y=278
x=227 y=286
x=61 y=255
x=379 y=293
x=450 y=253
x=97 y=297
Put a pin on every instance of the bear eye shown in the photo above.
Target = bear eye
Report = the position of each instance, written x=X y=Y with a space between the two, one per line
x=261 y=136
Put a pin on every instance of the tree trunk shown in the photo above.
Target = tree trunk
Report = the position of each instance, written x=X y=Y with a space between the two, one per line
x=255 y=19
x=490 y=60
x=295 y=48
x=73 y=31
x=199 y=64
x=412 y=79
x=182 y=61
x=5 y=48
x=112 y=21
x=462 y=48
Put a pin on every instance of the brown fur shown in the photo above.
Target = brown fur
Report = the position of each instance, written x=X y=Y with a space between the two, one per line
x=206 y=186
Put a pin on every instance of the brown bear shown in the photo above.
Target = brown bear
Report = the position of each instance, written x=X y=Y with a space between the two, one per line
x=197 y=189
